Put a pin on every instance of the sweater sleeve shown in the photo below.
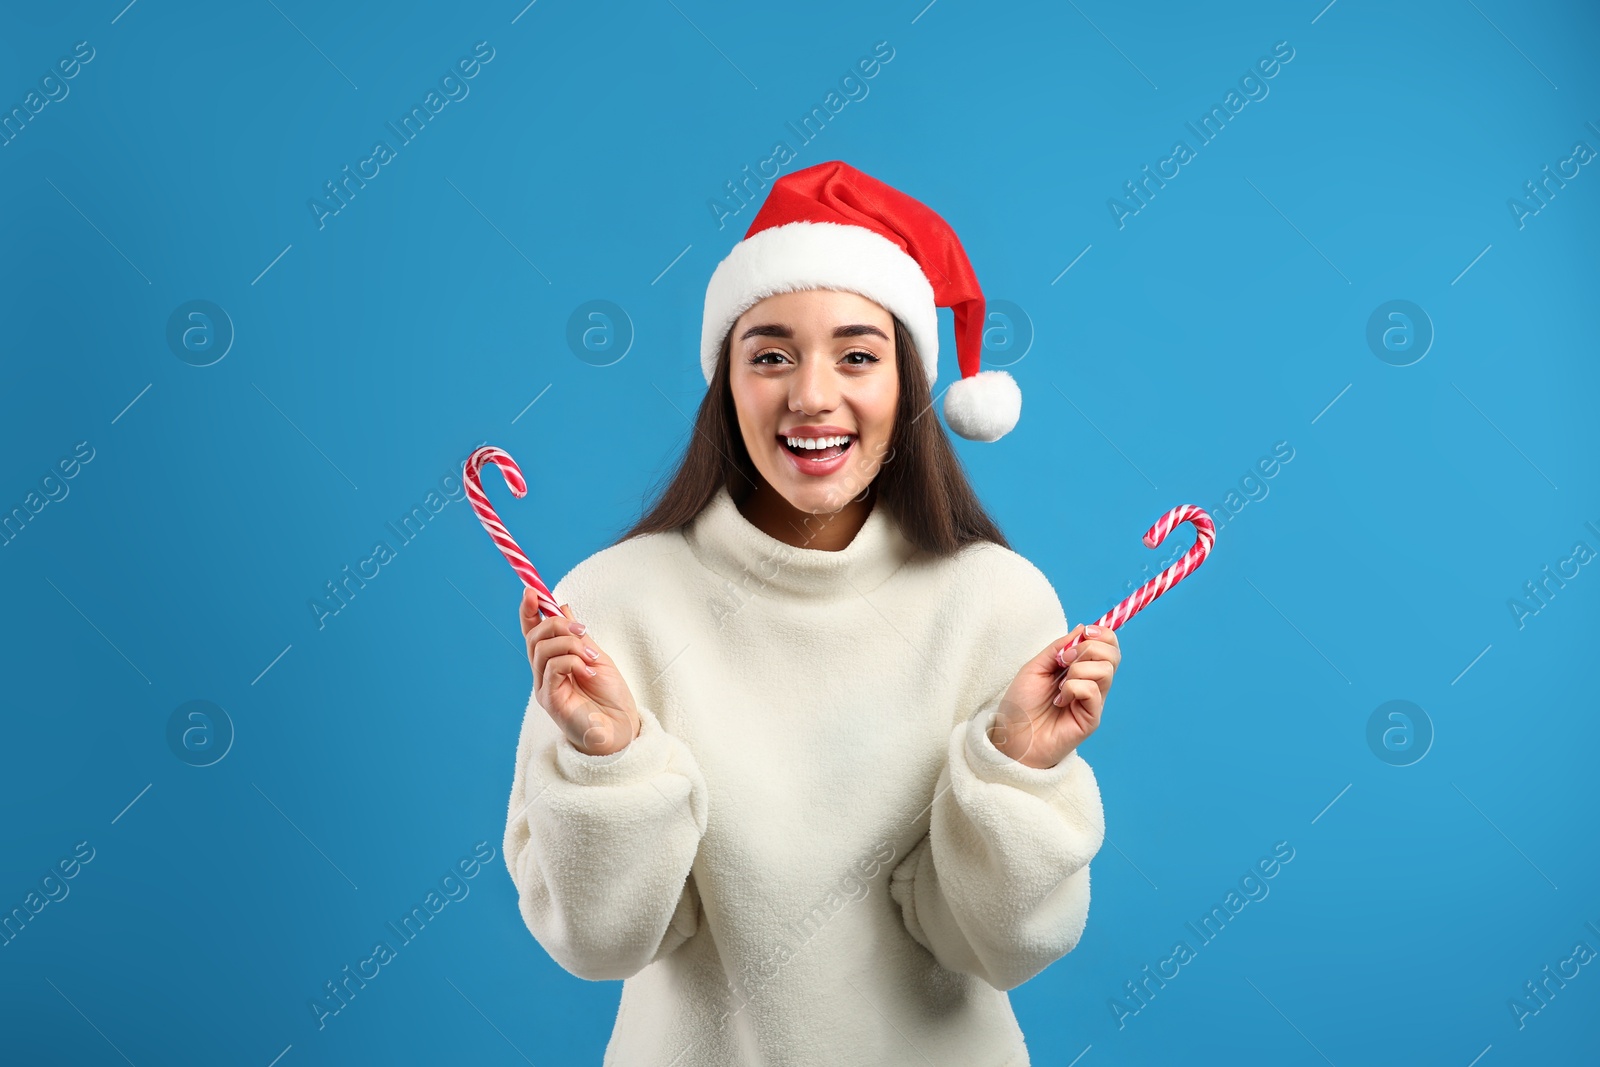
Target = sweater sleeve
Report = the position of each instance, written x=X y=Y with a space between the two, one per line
x=999 y=885
x=600 y=847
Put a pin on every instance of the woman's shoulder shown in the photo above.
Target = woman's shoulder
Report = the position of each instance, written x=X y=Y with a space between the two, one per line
x=996 y=610
x=1004 y=588
x=621 y=573
x=1005 y=570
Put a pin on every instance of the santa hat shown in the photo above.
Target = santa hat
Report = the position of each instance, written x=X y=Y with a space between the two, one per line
x=830 y=226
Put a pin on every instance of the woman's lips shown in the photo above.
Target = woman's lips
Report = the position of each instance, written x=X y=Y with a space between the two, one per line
x=817 y=468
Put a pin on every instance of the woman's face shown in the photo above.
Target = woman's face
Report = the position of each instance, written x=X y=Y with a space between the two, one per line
x=815 y=365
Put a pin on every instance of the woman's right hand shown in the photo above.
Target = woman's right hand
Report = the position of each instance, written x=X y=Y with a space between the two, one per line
x=577 y=683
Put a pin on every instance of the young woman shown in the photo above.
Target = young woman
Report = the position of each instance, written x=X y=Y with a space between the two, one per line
x=799 y=765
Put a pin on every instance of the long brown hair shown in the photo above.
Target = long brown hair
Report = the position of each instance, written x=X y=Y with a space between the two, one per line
x=920 y=481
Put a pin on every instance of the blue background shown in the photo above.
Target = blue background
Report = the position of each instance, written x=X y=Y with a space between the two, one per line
x=1230 y=313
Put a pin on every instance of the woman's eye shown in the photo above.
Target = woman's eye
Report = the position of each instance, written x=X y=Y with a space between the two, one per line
x=855 y=358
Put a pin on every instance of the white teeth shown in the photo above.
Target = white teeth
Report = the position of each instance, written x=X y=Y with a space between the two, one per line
x=816 y=442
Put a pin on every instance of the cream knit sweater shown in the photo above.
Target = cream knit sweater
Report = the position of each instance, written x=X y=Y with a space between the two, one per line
x=811 y=855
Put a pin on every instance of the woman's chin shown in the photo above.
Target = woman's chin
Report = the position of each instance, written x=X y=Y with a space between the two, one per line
x=821 y=496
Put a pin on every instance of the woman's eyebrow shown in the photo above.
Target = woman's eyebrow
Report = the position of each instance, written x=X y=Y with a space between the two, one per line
x=860 y=330
x=778 y=329
x=770 y=329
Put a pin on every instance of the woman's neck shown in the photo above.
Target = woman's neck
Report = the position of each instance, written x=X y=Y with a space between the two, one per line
x=768 y=511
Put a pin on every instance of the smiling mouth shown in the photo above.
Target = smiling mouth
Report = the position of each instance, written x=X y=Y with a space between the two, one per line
x=829 y=452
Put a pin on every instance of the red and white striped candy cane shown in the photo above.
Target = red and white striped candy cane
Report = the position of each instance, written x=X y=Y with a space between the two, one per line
x=497 y=531
x=1141 y=597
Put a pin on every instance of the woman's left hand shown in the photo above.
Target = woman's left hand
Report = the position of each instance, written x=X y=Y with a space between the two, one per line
x=1045 y=714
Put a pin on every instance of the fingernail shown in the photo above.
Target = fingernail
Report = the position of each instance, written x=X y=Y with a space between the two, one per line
x=590 y=669
x=591 y=653
x=1057 y=700
x=578 y=628
x=1091 y=631
x=1070 y=654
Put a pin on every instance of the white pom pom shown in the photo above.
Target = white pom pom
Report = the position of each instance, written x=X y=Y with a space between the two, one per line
x=983 y=407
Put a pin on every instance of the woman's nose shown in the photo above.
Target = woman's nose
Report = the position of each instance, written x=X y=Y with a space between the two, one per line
x=813 y=388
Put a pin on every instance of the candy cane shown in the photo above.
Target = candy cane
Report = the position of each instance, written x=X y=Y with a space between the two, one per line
x=497 y=531
x=1141 y=598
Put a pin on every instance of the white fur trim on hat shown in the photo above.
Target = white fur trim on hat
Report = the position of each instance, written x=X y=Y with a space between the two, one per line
x=820 y=255
x=983 y=407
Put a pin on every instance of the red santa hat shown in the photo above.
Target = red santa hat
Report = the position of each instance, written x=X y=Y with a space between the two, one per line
x=830 y=226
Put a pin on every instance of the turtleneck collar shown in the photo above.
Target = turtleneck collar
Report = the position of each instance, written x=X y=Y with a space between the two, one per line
x=726 y=542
